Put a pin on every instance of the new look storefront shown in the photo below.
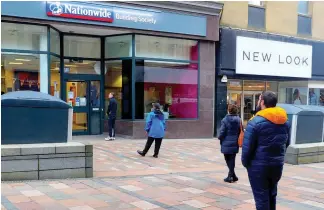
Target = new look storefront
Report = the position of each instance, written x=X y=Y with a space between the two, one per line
x=81 y=51
x=250 y=62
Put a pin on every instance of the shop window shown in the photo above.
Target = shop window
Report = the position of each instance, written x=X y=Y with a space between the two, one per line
x=272 y=86
x=118 y=46
x=234 y=93
x=82 y=47
x=23 y=37
x=166 y=48
x=22 y=71
x=55 y=87
x=55 y=41
x=79 y=66
x=173 y=84
x=294 y=92
x=118 y=79
x=316 y=96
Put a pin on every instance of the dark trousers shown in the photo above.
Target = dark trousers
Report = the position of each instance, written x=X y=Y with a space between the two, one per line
x=149 y=142
x=264 y=182
x=230 y=161
x=111 y=125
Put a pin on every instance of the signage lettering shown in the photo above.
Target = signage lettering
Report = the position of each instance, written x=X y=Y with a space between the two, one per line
x=75 y=11
x=266 y=58
x=97 y=13
x=135 y=18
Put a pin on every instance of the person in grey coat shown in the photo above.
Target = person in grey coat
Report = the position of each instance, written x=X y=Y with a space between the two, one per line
x=228 y=136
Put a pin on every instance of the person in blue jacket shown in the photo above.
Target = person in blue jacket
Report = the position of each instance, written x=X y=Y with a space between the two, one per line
x=155 y=128
x=266 y=139
x=228 y=135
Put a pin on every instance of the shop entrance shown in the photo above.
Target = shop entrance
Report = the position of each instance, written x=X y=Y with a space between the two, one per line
x=250 y=102
x=84 y=97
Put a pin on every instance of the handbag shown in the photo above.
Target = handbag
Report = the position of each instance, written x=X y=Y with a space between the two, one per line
x=241 y=136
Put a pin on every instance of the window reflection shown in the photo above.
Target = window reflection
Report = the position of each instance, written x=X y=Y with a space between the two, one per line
x=174 y=85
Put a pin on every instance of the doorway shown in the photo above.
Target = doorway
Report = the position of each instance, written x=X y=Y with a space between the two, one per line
x=250 y=103
x=84 y=96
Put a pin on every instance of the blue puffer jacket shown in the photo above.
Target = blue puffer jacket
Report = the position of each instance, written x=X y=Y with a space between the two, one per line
x=266 y=138
x=229 y=133
x=155 y=124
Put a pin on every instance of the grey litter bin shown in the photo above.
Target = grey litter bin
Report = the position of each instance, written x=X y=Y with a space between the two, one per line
x=307 y=123
x=30 y=117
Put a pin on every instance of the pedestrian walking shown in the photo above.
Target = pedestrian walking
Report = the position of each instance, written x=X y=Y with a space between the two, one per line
x=266 y=139
x=155 y=128
x=111 y=112
x=228 y=135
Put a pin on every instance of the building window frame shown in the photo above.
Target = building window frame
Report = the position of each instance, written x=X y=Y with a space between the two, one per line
x=102 y=59
x=134 y=58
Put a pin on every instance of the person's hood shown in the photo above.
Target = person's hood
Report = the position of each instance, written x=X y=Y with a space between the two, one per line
x=232 y=117
x=275 y=115
x=158 y=114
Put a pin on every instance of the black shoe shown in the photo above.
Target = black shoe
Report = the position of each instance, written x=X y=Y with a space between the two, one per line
x=235 y=178
x=140 y=153
x=229 y=179
x=155 y=156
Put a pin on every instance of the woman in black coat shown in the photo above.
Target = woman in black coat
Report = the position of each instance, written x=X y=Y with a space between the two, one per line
x=228 y=136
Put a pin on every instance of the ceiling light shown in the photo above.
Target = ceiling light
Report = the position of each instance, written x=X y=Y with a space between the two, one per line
x=83 y=63
x=13 y=63
x=20 y=59
x=68 y=65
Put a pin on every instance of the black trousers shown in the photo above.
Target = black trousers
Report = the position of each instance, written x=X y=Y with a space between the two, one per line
x=264 y=183
x=149 y=142
x=230 y=161
x=111 y=125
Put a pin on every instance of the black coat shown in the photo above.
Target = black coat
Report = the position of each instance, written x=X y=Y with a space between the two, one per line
x=229 y=134
x=112 y=108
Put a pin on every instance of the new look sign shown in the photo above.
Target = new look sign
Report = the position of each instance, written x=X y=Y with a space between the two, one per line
x=77 y=11
x=273 y=58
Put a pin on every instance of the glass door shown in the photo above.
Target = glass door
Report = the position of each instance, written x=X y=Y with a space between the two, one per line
x=95 y=108
x=76 y=96
x=84 y=97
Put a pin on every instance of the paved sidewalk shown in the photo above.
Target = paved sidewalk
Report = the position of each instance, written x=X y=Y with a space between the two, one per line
x=187 y=175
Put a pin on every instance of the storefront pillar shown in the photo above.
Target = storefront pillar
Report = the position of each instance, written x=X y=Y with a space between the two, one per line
x=43 y=65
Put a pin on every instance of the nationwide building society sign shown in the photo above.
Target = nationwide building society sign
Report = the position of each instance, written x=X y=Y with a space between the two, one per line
x=96 y=13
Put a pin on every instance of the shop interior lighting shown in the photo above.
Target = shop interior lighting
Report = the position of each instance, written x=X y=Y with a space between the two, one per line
x=68 y=65
x=20 y=59
x=15 y=63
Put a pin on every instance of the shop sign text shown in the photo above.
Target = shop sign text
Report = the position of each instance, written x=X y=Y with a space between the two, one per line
x=281 y=59
x=273 y=58
x=76 y=11
x=93 y=12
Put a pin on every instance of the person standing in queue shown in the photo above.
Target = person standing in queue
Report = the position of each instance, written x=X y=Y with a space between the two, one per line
x=111 y=112
x=266 y=139
x=228 y=135
x=155 y=128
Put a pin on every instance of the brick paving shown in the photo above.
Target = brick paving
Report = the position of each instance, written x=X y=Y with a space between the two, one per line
x=187 y=175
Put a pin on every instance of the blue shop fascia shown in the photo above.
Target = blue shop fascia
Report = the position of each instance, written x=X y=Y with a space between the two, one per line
x=249 y=62
x=82 y=51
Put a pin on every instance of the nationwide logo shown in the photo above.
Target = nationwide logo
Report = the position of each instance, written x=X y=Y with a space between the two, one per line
x=76 y=11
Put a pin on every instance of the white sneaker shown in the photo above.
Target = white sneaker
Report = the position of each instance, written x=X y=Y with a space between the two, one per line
x=113 y=138
x=108 y=139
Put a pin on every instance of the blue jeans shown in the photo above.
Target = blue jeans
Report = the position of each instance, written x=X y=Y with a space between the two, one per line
x=264 y=182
